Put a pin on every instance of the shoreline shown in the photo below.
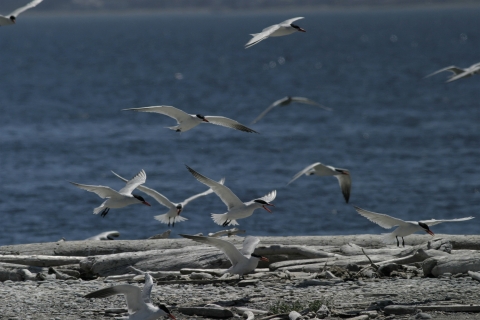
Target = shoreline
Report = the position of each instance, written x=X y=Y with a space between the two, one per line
x=346 y=287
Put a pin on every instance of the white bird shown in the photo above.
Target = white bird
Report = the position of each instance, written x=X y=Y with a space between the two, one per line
x=243 y=261
x=12 y=17
x=236 y=208
x=187 y=121
x=281 y=29
x=139 y=304
x=108 y=235
x=285 y=102
x=343 y=176
x=173 y=215
x=117 y=199
x=458 y=73
x=404 y=228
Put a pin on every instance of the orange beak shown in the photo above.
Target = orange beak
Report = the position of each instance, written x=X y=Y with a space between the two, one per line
x=146 y=203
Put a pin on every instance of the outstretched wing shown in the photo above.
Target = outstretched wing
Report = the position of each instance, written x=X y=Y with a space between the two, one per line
x=290 y=21
x=454 y=69
x=249 y=245
x=147 y=288
x=198 y=195
x=270 y=107
x=308 y=101
x=24 y=8
x=383 y=220
x=229 y=123
x=223 y=192
x=269 y=197
x=262 y=35
x=152 y=193
x=305 y=171
x=133 y=295
x=433 y=222
x=102 y=191
x=345 y=184
x=232 y=253
x=169 y=111
x=132 y=184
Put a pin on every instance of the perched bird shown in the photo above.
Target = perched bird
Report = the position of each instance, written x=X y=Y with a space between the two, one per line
x=117 y=199
x=343 y=176
x=243 y=261
x=139 y=305
x=404 y=228
x=173 y=215
x=108 y=235
x=12 y=17
x=459 y=73
x=187 y=121
x=281 y=29
x=236 y=208
x=285 y=102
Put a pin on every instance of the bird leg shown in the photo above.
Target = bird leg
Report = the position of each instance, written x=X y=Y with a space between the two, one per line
x=403 y=242
x=173 y=224
x=169 y=222
x=398 y=243
x=226 y=223
x=104 y=212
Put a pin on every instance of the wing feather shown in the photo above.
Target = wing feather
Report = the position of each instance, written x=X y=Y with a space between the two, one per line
x=223 y=192
x=102 y=191
x=383 y=220
x=232 y=253
x=433 y=222
x=32 y=4
x=262 y=35
x=229 y=123
x=132 y=184
x=133 y=295
x=168 y=111
x=305 y=171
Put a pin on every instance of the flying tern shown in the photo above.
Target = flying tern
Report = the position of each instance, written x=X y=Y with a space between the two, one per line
x=117 y=199
x=281 y=29
x=12 y=17
x=243 y=261
x=343 y=176
x=173 y=215
x=459 y=73
x=187 y=121
x=285 y=102
x=139 y=304
x=236 y=208
x=404 y=228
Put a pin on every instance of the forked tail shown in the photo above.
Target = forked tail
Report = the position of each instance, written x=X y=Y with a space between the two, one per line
x=164 y=218
x=222 y=219
x=97 y=210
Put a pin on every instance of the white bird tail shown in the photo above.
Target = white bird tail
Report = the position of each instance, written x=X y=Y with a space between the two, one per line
x=388 y=238
x=220 y=219
x=163 y=218
x=253 y=34
x=97 y=210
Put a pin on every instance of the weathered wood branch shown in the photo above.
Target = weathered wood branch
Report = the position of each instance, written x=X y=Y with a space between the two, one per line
x=40 y=261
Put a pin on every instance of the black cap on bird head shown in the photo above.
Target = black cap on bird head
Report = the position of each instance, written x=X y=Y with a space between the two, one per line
x=165 y=309
x=426 y=228
x=260 y=201
x=179 y=208
x=201 y=117
x=138 y=197
x=297 y=27
x=13 y=19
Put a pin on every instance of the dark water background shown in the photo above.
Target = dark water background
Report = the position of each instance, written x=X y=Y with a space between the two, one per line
x=411 y=144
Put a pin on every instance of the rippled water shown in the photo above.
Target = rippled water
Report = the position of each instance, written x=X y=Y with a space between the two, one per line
x=411 y=144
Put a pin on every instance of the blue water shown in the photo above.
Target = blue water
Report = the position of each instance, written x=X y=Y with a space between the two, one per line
x=411 y=144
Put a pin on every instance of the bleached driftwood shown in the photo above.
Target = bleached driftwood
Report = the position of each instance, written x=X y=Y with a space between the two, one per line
x=40 y=261
x=474 y=275
x=155 y=260
x=215 y=272
x=453 y=264
x=229 y=233
x=89 y=248
x=164 y=235
x=419 y=256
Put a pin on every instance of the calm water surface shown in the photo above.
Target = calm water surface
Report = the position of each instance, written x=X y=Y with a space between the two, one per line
x=411 y=144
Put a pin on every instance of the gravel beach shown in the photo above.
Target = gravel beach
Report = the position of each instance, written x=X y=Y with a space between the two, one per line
x=57 y=299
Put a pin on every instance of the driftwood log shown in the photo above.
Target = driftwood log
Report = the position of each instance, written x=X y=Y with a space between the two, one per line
x=455 y=263
x=332 y=244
